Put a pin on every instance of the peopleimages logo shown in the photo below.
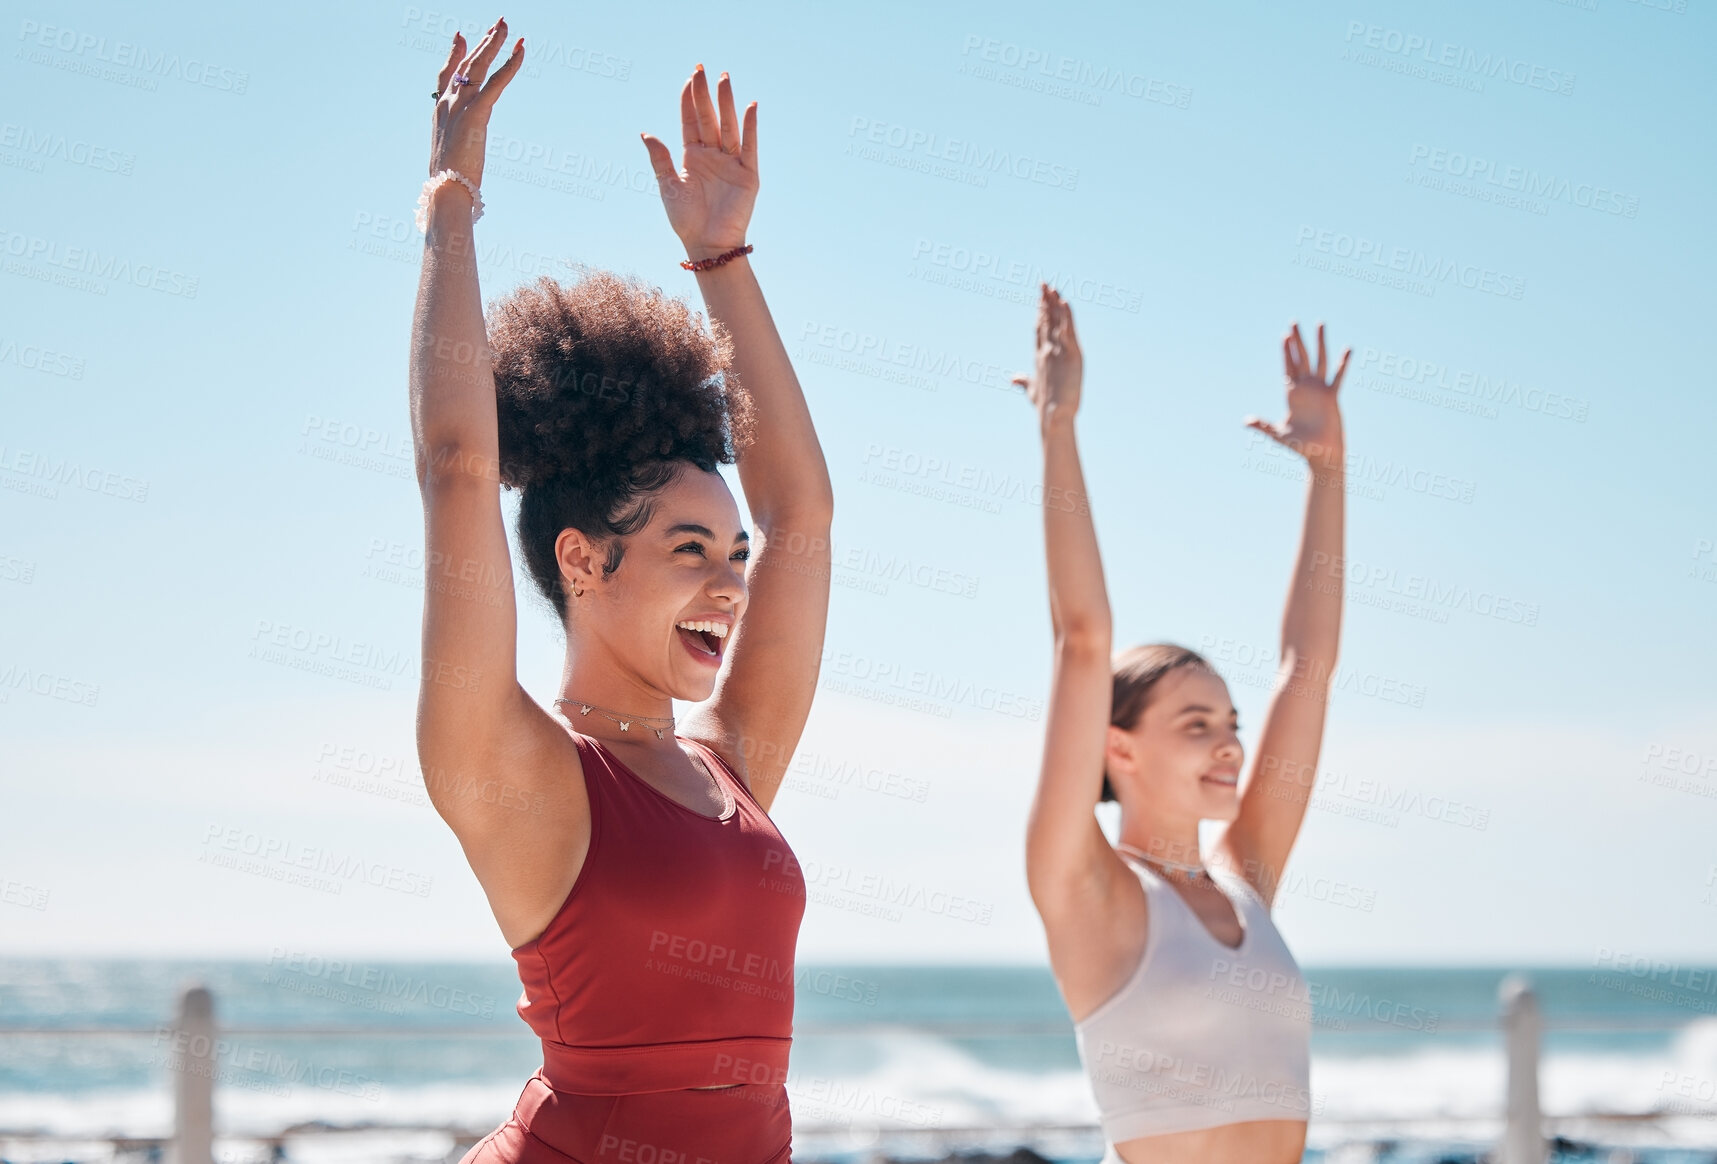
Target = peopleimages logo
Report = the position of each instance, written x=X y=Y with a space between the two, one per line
x=51 y=471
x=87 y=47
x=1409 y=263
x=1483 y=388
x=960 y=151
x=972 y=269
x=1425 y=588
x=371 y=986
x=880 y=887
x=252 y=852
x=1523 y=180
x=35 y=358
x=1459 y=60
x=1061 y=75
x=34 y=255
x=41 y=146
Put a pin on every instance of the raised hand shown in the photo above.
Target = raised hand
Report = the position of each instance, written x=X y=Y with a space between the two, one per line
x=709 y=199
x=1313 y=427
x=462 y=110
x=1054 y=387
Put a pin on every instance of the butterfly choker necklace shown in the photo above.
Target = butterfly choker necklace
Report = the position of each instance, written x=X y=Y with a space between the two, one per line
x=626 y=721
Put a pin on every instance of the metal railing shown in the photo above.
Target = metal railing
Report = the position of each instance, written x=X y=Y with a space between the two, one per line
x=196 y=1040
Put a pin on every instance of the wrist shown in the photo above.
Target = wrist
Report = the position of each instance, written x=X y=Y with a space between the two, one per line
x=696 y=251
x=451 y=193
x=434 y=202
x=1327 y=461
x=1054 y=422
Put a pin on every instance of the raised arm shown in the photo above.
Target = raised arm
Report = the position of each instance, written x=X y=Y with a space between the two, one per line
x=763 y=697
x=470 y=706
x=1256 y=843
x=1070 y=867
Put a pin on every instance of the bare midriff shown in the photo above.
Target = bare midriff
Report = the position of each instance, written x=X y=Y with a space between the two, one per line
x=1251 y=1142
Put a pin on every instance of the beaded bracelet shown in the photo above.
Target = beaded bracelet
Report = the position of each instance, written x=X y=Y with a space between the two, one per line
x=429 y=188
x=718 y=260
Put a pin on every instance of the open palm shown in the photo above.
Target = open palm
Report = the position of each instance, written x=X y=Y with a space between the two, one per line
x=1055 y=385
x=709 y=198
x=1313 y=426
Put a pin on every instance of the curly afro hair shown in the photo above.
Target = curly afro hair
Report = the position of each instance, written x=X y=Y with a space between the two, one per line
x=604 y=390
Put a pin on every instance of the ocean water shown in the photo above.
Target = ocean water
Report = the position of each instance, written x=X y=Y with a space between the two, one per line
x=897 y=1058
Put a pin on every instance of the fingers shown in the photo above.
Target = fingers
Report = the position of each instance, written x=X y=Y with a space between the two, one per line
x=1070 y=337
x=1341 y=370
x=688 y=115
x=1266 y=428
x=478 y=66
x=661 y=158
x=709 y=130
x=748 y=139
x=504 y=75
x=1055 y=321
x=729 y=116
x=455 y=54
x=1298 y=364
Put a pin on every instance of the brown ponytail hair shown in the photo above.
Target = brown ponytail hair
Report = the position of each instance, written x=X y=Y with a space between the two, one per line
x=1136 y=672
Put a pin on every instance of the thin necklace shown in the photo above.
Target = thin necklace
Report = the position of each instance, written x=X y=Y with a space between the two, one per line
x=626 y=725
x=1193 y=872
x=625 y=722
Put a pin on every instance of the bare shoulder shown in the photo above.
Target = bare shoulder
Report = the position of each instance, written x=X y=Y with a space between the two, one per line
x=521 y=813
x=1096 y=936
x=499 y=781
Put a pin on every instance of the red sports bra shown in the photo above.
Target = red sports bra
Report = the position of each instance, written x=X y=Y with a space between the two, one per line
x=670 y=963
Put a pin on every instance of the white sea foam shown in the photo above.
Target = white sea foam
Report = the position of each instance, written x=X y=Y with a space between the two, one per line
x=909 y=1081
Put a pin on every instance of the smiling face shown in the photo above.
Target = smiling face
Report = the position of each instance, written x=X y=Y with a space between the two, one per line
x=663 y=619
x=1182 y=759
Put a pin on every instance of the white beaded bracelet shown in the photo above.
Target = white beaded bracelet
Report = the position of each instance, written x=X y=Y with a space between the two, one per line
x=429 y=188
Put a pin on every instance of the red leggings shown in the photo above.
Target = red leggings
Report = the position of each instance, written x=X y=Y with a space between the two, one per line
x=748 y=1124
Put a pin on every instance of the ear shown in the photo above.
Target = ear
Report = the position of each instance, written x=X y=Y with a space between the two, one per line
x=1118 y=751
x=577 y=557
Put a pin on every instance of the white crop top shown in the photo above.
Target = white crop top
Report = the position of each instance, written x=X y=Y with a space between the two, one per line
x=1201 y=1035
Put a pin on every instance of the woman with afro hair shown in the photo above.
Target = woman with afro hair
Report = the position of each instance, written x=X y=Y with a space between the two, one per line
x=629 y=860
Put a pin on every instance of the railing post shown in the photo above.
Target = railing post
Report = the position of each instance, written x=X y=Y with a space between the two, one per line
x=194 y=1078
x=1522 y=1026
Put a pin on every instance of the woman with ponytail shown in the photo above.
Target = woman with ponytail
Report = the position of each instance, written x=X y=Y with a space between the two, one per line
x=1192 y=1018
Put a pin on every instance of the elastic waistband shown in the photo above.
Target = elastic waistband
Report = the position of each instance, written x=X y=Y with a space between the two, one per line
x=665 y=1066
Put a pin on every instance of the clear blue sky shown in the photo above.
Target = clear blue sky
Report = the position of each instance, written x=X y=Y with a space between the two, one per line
x=209 y=266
